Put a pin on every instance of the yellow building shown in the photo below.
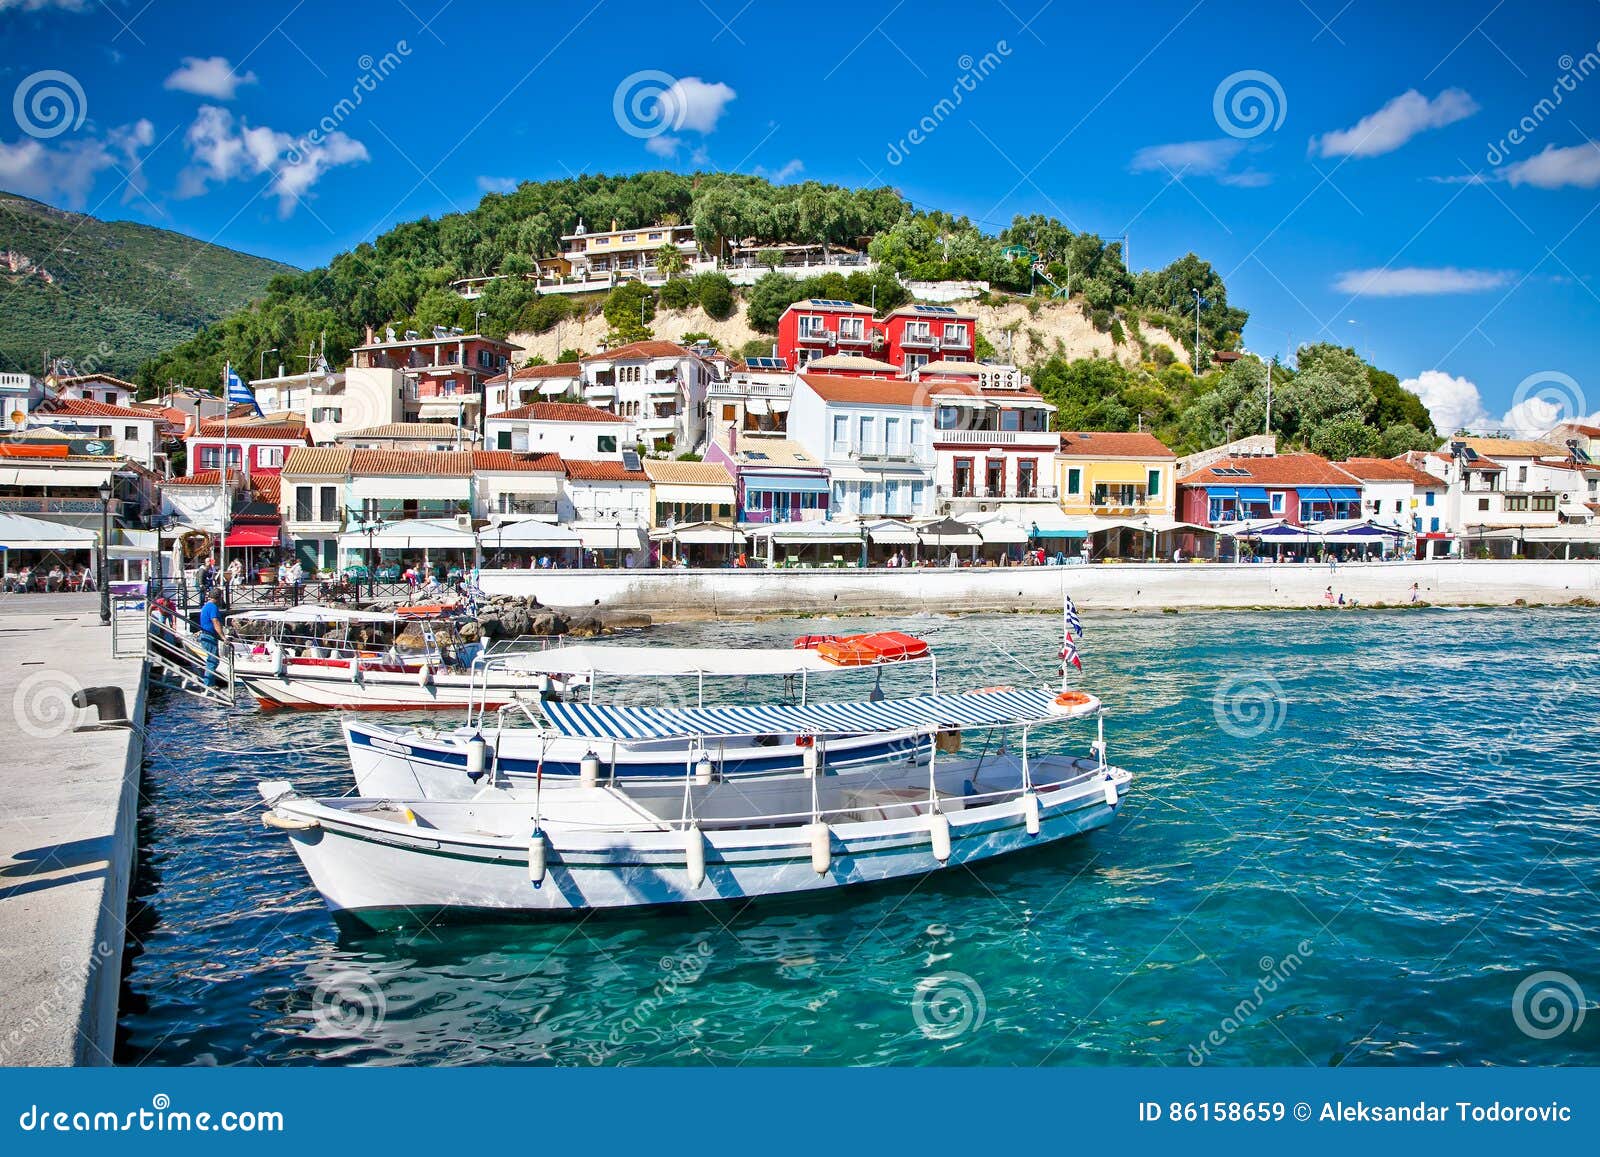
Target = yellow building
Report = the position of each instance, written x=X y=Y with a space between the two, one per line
x=1111 y=475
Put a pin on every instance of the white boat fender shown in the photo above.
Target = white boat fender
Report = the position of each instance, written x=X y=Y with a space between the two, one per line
x=702 y=770
x=538 y=849
x=694 y=852
x=283 y=823
x=355 y=669
x=424 y=675
x=477 y=757
x=1111 y=792
x=821 y=848
x=1030 y=811
x=589 y=770
x=939 y=836
x=808 y=756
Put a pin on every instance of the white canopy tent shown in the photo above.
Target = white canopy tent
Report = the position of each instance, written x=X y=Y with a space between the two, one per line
x=412 y=534
x=529 y=534
x=19 y=532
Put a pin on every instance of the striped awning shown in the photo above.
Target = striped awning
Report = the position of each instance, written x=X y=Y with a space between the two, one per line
x=601 y=721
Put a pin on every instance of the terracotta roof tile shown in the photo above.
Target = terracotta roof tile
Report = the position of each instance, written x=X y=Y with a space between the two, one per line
x=202 y=478
x=1282 y=470
x=1112 y=444
x=513 y=460
x=262 y=431
x=537 y=373
x=873 y=391
x=440 y=463
x=640 y=349
x=325 y=461
x=687 y=473
x=589 y=470
x=78 y=408
x=1389 y=470
x=418 y=430
x=559 y=412
x=1514 y=447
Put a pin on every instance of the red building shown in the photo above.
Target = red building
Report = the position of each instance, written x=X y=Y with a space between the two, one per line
x=1298 y=488
x=252 y=446
x=910 y=337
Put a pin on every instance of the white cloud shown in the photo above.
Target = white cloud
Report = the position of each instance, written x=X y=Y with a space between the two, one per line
x=791 y=168
x=220 y=151
x=67 y=172
x=1414 y=281
x=1453 y=403
x=209 y=76
x=695 y=104
x=1203 y=158
x=1249 y=179
x=665 y=146
x=1557 y=168
x=496 y=184
x=1396 y=123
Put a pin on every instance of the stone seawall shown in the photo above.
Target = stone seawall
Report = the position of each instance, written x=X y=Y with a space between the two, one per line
x=726 y=593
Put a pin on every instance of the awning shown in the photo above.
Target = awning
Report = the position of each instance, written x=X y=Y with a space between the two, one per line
x=700 y=534
x=528 y=534
x=890 y=532
x=597 y=721
x=252 y=536
x=1252 y=494
x=702 y=493
x=949 y=532
x=552 y=389
x=608 y=536
x=1575 y=510
x=1222 y=492
x=802 y=532
x=412 y=533
x=19 y=532
x=1329 y=494
x=757 y=406
x=785 y=484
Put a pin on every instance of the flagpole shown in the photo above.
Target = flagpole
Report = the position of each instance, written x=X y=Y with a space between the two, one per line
x=227 y=492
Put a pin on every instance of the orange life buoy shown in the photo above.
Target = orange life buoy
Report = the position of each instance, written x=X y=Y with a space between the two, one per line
x=1073 y=699
x=805 y=740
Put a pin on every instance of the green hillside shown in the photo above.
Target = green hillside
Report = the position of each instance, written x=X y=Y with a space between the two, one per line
x=110 y=295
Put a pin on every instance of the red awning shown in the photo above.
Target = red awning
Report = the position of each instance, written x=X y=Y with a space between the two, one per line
x=244 y=536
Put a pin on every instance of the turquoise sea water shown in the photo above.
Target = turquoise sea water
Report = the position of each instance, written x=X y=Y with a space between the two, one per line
x=1352 y=836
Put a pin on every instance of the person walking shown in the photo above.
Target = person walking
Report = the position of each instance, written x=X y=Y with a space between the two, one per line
x=212 y=634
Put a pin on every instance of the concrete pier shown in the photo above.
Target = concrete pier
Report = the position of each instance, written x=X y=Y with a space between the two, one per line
x=667 y=595
x=68 y=819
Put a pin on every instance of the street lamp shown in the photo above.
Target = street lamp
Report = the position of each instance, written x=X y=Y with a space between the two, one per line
x=1150 y=535
x=261 y=362
x=617 y=559
x=105 y=547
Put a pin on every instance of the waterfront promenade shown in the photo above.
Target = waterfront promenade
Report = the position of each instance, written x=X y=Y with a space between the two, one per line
x=68 y=820
x=678 y=595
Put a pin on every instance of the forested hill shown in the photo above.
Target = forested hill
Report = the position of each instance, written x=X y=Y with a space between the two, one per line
x=110 y=295
x=1330 y=401
x=403 y=277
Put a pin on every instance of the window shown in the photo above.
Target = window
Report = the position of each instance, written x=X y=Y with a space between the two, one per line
x=1275 y=501
x=916 y=496
x=867 y=498
x=1522 y=475
x=955 y=333
x=606 y=444
x=915 y=361
x=329 y=511
x=302 y=503
x=891 y=436
x=813 y=325
x=1545 y=503
x=867 y=434
x=326 y=414
x=730 y=413
x=502 y=440
x=1433 y=525
x=891 y=497
x=1152 y=483
x=916 y=436
x=130 y=433
x=269 y=456
x=1516 y=502
x=1075 y=480
x=1483 y=504
x=1428 y=501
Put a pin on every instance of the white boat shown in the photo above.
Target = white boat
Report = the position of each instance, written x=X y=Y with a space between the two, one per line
x=586 y=742
x=664 y=842
x=313 y=658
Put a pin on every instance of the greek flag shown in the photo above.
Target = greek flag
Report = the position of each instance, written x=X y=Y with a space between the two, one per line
x=240 y=394
x=1069 y=654
x=1070 y=613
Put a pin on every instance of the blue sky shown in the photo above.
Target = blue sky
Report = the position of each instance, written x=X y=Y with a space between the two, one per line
x=1366 y=187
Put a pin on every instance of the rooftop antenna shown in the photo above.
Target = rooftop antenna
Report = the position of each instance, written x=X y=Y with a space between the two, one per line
x=1267 y=428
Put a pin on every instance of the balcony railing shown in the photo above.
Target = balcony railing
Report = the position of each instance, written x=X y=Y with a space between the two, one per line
x=1012 y=493
x=965 y=437
x=56 y=506
x=922 y=340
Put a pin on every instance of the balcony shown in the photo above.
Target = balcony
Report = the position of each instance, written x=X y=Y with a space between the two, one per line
x=1008 y=494
x=877 y=452
x=919 y=341
x=848 y=338
x=1040 y=438
x=817 y=336
x=37 y=506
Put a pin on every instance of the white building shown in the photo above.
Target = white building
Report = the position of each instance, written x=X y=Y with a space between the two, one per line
x=20 y=395
x=876 y=439
x=529 y=384
x=613 y=254
x=991 y=436
x=752 y=398
x=563 y=428
x=1396 y=493
x=659 y=386
x=510 y=486
x=101 y=388
x=125 y=432
x=1500 y=489
x=609 y=506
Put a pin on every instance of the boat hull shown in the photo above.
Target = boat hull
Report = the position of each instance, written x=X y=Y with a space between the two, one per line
x=329 y=687
x=383 y=873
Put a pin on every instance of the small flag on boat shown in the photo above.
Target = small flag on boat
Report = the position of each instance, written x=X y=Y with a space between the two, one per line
x=239 y=394
x=1069 y=654
x=1074 y=623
